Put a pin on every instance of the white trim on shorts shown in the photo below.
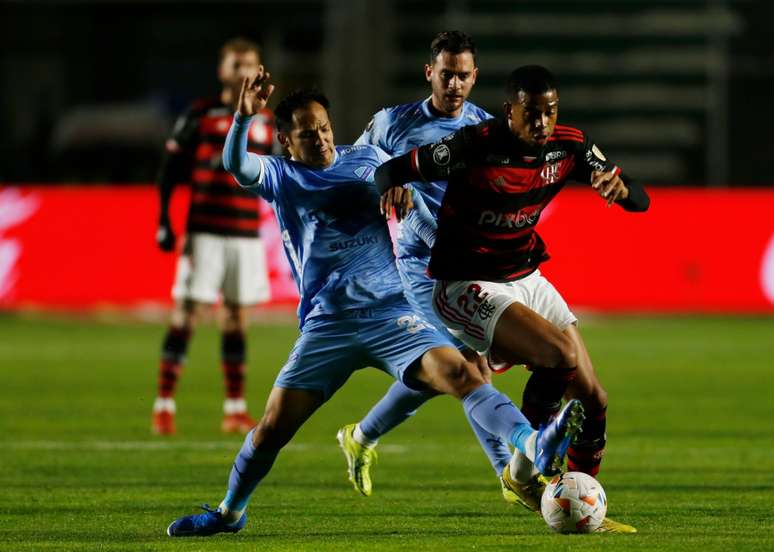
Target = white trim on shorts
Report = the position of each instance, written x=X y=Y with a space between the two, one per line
x=533 y=291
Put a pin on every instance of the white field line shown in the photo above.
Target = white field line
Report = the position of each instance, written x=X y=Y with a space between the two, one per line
x=109 y=446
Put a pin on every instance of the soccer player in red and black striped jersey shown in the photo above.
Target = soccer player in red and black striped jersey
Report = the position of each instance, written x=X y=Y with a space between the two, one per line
x=223 y=256
x=486 y=255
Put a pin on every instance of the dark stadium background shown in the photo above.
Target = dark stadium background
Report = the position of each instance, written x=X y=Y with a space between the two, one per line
x=678 y=90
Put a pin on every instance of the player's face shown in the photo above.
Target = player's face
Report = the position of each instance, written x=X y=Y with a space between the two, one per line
x=236 y=66
x=451 y=77
x=311 y=139
x=532 y=117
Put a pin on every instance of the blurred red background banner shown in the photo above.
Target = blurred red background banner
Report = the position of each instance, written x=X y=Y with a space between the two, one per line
x=695 y=250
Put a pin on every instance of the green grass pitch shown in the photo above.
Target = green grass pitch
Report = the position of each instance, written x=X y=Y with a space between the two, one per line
x=690 y=459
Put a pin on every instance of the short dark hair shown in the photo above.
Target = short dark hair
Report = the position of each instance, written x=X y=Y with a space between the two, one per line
x=301 y=97
x=239 y=45
x=532 y=79
x=454 y=42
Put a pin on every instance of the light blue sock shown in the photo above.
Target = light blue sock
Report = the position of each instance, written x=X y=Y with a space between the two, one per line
x=495 y=449
x=250 y=467
x=397 y=406
x=497 y=414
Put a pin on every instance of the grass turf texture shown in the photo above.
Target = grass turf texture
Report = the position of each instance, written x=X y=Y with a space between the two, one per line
x=690 y=460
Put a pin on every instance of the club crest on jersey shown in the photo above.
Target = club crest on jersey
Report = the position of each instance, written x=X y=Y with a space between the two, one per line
x=550 y=173
x=486 y=310
x=441 y=155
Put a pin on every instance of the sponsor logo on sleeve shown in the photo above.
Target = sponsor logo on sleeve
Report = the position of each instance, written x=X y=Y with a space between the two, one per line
x=441 y=155
x=594 y=162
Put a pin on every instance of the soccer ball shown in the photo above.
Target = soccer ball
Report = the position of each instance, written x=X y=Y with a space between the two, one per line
x=573 y=502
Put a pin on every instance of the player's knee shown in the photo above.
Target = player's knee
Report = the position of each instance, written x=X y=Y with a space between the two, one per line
x=560 y=353
x=463 y=378
x=233 y=319
x=569 y=352
x=597 y=401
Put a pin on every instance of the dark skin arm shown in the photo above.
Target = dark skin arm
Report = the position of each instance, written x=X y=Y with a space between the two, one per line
x=616 y=188
x=390 y=179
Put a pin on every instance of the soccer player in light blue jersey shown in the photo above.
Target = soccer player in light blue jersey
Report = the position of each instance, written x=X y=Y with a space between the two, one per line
x=452 y=74
x=353 y=312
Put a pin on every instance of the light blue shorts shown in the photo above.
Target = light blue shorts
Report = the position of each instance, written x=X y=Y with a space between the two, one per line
x=330 y=349
x=419 y=292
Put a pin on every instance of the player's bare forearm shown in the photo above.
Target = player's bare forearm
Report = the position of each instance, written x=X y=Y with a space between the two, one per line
x=173 y=168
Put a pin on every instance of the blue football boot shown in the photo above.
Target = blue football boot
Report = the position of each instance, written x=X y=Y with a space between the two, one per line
x=204 y=525
x=554 y=439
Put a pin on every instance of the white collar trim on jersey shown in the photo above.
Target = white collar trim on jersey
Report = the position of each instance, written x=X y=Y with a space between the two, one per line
x=335 y=159
x=428 y=113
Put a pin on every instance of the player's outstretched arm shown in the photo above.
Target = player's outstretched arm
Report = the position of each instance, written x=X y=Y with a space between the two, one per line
x=245 y=166
x=395 y=172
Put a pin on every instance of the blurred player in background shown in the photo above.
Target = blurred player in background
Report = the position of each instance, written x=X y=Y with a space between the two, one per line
x=452 y=73
x=223 y=256
x=489 y=291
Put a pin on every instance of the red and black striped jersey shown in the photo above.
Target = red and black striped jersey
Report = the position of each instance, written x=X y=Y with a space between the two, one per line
x=496 y=192
x=218 y=204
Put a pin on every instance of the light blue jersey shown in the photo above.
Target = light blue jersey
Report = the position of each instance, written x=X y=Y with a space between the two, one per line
x=338 y=246
x=402 y=128
x=353 y=311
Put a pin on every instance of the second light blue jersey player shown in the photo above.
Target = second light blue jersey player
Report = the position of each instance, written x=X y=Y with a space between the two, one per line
x=452 y=74
x=398 y=130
